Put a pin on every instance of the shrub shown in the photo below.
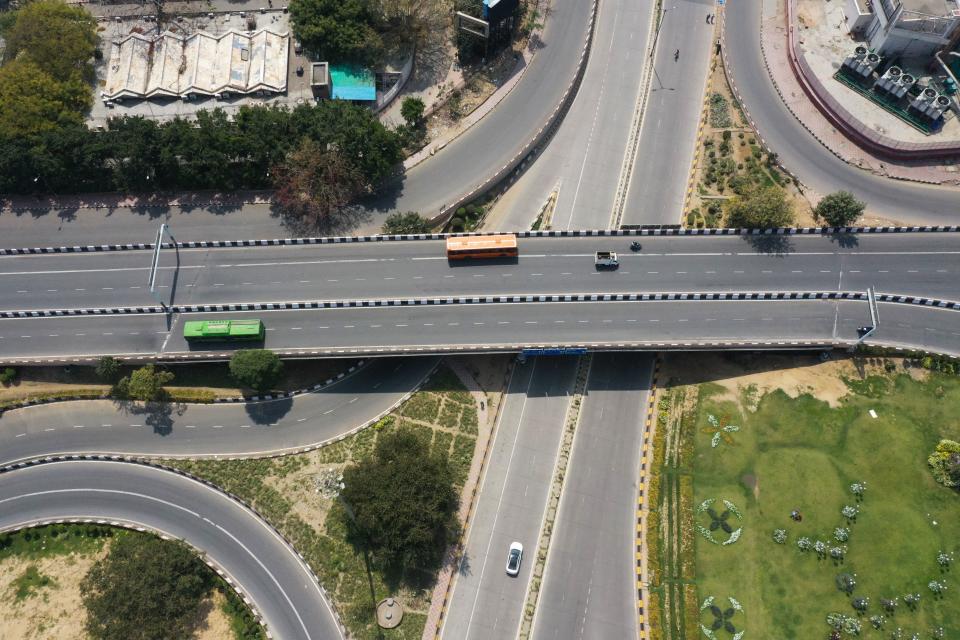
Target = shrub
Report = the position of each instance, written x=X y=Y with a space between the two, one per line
x=761 y=208
x=944 y=463
x=719 y=112
x=108 y=369
x=8 y=375
x=258 y=369
x=145 y=384
x=409 y=222
x=839 y=209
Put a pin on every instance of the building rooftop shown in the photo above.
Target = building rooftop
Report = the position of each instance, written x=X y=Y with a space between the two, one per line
x=176 y=65
x=932 y=7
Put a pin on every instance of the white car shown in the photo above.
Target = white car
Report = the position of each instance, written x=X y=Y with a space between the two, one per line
x=514 y=558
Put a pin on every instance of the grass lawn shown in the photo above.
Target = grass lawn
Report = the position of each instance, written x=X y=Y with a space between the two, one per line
x=799 y=453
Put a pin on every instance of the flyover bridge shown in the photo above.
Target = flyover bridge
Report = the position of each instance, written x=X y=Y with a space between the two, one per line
x=352 y=297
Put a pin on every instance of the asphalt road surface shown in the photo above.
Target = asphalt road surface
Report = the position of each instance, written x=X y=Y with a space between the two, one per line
x=802 y=154
x=506 y=326
x=589 y=588
x=924 y=264
x=102 y=426
x=486 y=602
x=585 y=154
x=672 y=114
x=268 y=570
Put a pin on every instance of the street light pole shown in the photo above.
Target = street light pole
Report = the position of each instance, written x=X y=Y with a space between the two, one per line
x=656 y=35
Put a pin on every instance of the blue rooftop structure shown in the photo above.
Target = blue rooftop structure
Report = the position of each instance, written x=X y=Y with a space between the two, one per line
x=352 y=83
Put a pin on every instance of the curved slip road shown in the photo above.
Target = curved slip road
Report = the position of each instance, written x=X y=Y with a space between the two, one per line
x=102 y=426
x=801 y=153
x=463 y=164
x=905 y=263
x=231 y=536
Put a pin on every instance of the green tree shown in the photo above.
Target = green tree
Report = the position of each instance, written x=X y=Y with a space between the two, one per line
x=839 y=209
x=409 y=222
x=58 y=38
x=402 y=503
x=145 y=589
x=340 y=30
x=108 y=369
x=760 y=208
x=144 y=384
x=258 y=369
x=412 y=110
x=33 y=101
x=314 y=184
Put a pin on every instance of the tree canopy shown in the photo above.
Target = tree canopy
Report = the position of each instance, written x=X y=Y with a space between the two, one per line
x=402 y=502
x=339 y=30
x=214 y=152
x=58 y=38
x=760 y=208
x=258 y=369
x=313 y=185
x=145 y=589
x=839 y=209
x=144 y=384
x=409 y=222
x=32 y=101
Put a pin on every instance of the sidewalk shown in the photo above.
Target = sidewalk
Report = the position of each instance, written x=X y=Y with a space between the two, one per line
x=774 y=45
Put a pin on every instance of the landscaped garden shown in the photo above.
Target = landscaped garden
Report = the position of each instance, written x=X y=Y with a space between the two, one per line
x=820 y=519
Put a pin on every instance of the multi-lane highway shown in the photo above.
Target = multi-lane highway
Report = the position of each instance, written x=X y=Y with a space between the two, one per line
x=641 y=324
x=487 y=603
x=589 y=586
x=912 y=264
x=229 y=535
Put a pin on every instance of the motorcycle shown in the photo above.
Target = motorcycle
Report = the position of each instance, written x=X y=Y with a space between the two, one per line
x=635 y=246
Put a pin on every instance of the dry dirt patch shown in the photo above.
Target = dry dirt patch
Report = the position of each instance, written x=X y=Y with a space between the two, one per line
x=747 y=377
x=54 y=612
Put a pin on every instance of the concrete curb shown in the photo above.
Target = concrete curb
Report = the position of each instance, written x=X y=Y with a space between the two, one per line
x=514 y=347
x=649 y=430
x=636 y=124
x=483 y=299
x=645 y=230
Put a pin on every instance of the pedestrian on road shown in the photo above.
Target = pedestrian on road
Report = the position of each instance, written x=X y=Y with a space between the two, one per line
x=708 y=18
x=676 y=55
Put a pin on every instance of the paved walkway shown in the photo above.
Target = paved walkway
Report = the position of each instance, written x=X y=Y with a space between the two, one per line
x=775 y=55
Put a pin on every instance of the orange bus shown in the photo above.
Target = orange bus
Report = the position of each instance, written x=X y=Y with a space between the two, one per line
x=499 y=246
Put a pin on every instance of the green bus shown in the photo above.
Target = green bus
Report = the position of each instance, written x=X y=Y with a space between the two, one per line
x=223 y=330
